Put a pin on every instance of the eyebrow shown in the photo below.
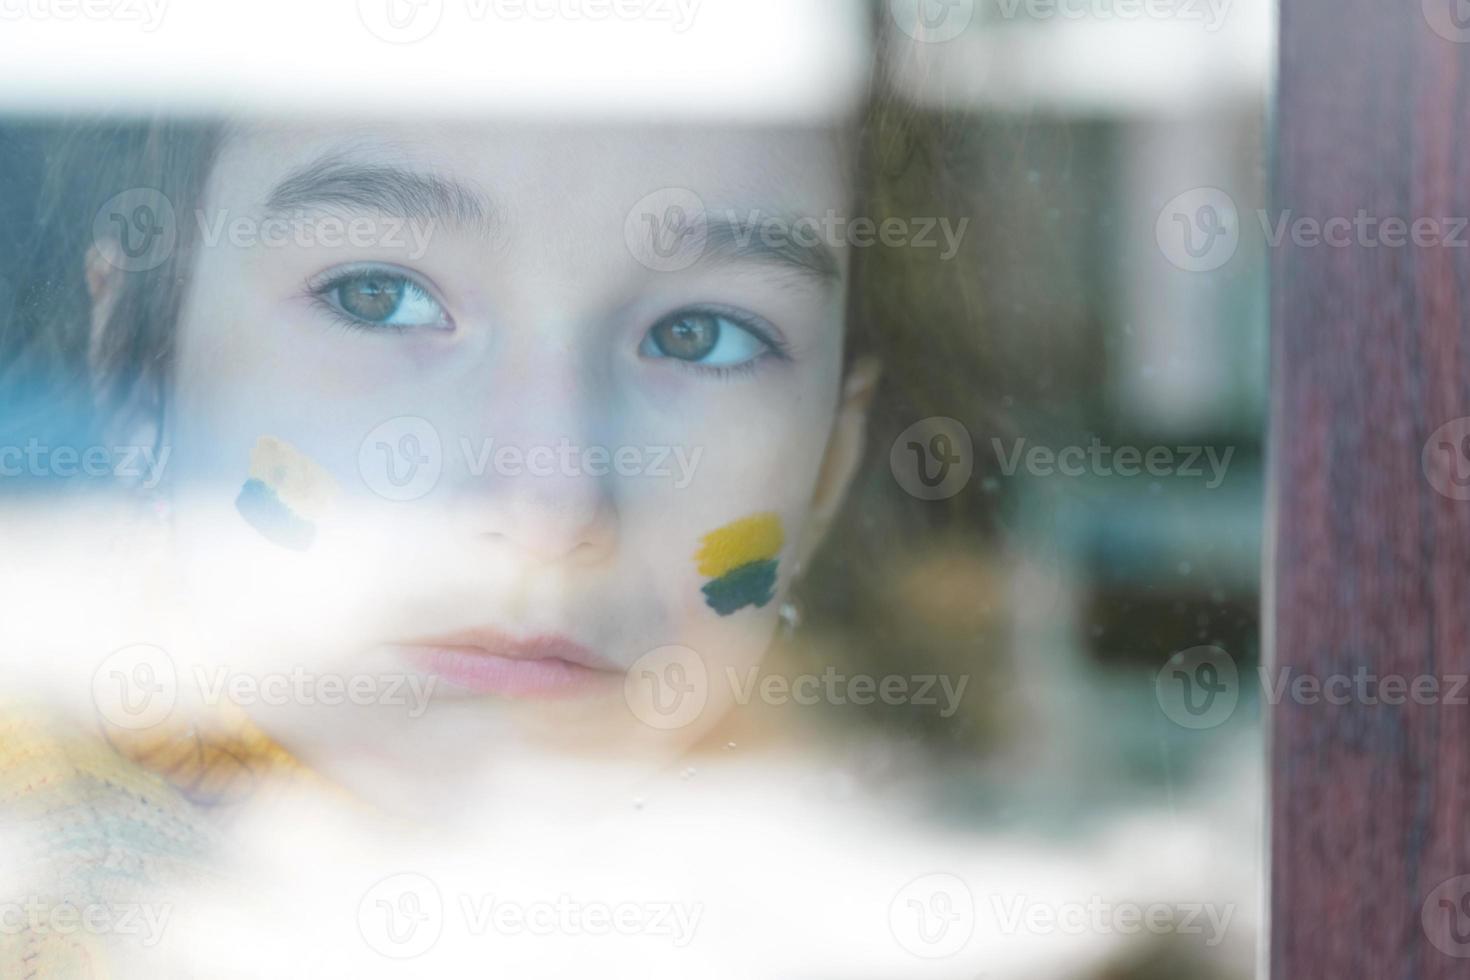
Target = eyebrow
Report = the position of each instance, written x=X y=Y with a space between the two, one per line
x=729 y=239
x=335 y=181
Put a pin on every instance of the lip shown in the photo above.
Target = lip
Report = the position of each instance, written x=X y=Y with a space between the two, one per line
x=484 y=661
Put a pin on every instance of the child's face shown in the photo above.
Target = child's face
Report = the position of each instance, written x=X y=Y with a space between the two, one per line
x=502 y=411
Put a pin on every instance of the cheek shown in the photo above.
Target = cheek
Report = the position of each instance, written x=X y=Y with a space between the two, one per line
x=760 y=454
x=740 y=562
x=731 y=537
x=258 y=475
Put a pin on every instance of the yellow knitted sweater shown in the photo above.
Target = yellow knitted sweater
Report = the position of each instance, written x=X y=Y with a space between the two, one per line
x=93 y=821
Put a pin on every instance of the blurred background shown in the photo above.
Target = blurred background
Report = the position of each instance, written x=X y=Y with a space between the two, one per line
x=1115 y=298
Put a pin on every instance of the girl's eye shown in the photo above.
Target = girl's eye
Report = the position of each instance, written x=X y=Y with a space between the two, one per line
x=380 y=298
x=708 y=339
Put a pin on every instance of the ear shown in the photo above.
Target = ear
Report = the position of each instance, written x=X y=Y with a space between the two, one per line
x=105 y=275
x=844 y=453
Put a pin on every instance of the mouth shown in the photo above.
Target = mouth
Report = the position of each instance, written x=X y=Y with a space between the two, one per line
x=483 y=661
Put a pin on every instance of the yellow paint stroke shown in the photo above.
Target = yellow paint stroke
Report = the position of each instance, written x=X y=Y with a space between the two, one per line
x=750 y=539
x=298 y=481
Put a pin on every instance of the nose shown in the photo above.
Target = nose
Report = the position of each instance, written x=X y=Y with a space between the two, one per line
x=533 y=487
x=561 y=516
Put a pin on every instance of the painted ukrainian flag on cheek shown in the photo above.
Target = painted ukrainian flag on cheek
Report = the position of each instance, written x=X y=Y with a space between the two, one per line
x=285 y=494
x=740 y=561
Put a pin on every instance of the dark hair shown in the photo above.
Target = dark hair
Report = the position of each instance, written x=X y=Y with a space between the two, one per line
x=55 y=370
